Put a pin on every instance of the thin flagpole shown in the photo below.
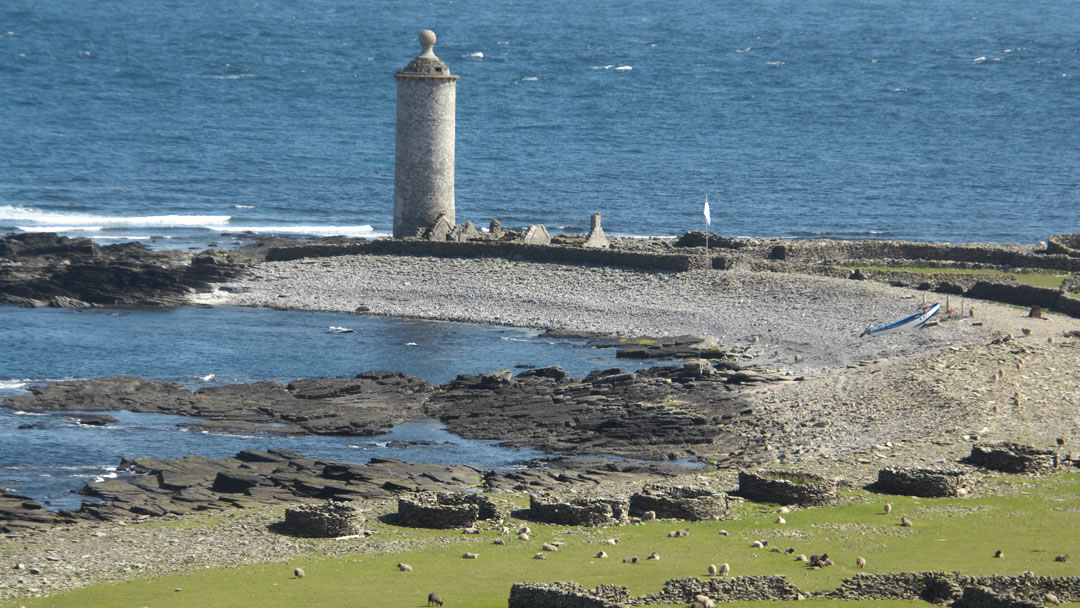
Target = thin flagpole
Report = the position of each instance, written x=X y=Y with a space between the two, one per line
x=708 y=221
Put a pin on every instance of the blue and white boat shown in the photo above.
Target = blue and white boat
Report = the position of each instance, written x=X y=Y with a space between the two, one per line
x=915 y=320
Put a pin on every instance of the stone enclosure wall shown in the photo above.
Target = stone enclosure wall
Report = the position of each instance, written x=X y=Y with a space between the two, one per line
x=442 y=510
x=929 y=483
x=329 y=520
x=788 y=488
x=1013 y=458
x=578 y=511
x=966 y=591
x=680 y=502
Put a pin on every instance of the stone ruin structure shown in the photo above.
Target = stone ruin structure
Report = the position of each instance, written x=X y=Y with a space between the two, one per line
x=929 y=483
x=1013 y=458
x=788 y=488
x=1067 y=244
x=445 y=510
x=962 y=591
x=680 y=502
x=328 y=520
x=578 y=511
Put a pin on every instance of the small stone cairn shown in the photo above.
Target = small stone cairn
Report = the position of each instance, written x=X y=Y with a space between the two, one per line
x=329 y=520
x=788 y=488
x=680 y=502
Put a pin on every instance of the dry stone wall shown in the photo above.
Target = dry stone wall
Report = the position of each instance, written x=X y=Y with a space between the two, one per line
x=935 y=587
x=788 y=488
x=1013 y=458
x=442 y=510
x=329 y=520
x=578 y=511
x=680 y=502
x=929 y=483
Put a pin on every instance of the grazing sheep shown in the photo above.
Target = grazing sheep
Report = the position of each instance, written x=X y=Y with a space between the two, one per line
x=611 y=541
x=722 y=533
x=704 y=601
x=784 y=510
x=498 y=541
x=524 y=530
x=404 y=567
x=801 y=558
x=629 y=560
x=540 y=555
x=470 y=531
x=298 y=573
x=648 y=516
x=757 y=544
x=820 y=561
x=860 y=561
x=781 y=520
x=504 y=530
x=1051 y=598
x=601 y=555
x=433 y=599
x=696 y=604
x=654 y=555
x=470 y=556
x=789 y=550
x=999 y=553
x=888 y=508
x=725 y=569
x=678 y=533
x=713 y=570
x=904 y=521
x=547 y=547
x=523 y=536
x=1062 y=558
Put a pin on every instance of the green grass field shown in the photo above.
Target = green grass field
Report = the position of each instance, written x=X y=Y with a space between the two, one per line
x=1030 y=519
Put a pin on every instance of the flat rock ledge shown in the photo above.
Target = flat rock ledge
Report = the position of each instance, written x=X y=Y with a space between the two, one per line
x=151 y=488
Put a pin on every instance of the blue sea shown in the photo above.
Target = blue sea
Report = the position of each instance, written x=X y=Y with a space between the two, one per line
x=187 y=122
x=191 y=123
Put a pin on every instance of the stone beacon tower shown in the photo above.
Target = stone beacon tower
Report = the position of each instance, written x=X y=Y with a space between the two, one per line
x=424 y=148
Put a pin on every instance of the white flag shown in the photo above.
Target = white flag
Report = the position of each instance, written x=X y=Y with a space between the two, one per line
x=708 y=216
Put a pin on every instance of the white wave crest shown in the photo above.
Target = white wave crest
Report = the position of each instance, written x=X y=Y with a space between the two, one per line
x=364 y=230
x=80 y=221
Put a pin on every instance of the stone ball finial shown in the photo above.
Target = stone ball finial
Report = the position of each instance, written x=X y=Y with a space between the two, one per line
x=427 y=41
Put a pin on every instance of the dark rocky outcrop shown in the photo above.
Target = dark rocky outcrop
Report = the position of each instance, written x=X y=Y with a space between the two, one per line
x=931 y=483
x=43 y=269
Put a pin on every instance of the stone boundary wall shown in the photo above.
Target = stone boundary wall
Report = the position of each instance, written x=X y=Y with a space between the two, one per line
x=929 y=483
x=444 y=510
x=725 y=589
x=973 y=591
x=1013 y=458
x=671 y=262
x=328 y=520
x=680 y=502
x=929 y=586
x=567 y=595
x=777 y=487
x=974 y=253
x=578 y=511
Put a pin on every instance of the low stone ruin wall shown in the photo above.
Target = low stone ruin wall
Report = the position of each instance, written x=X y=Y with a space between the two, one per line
x=1013 y=458
x=931 y=586
x=680 y=502
x=1066 y=244
x=567 y=595
x=930 y=483
x=966 y=591
x=725 y=589
x=444 y=510
x=329 y=520
x=788 y=488
x=578 y=511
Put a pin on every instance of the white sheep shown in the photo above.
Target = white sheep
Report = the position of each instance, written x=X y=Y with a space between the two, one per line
x=470 y=556
x=860 y=561
x=404 y=567
x=725 y=569
x=601 y=555
x=713 y=570
x=298 y=573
